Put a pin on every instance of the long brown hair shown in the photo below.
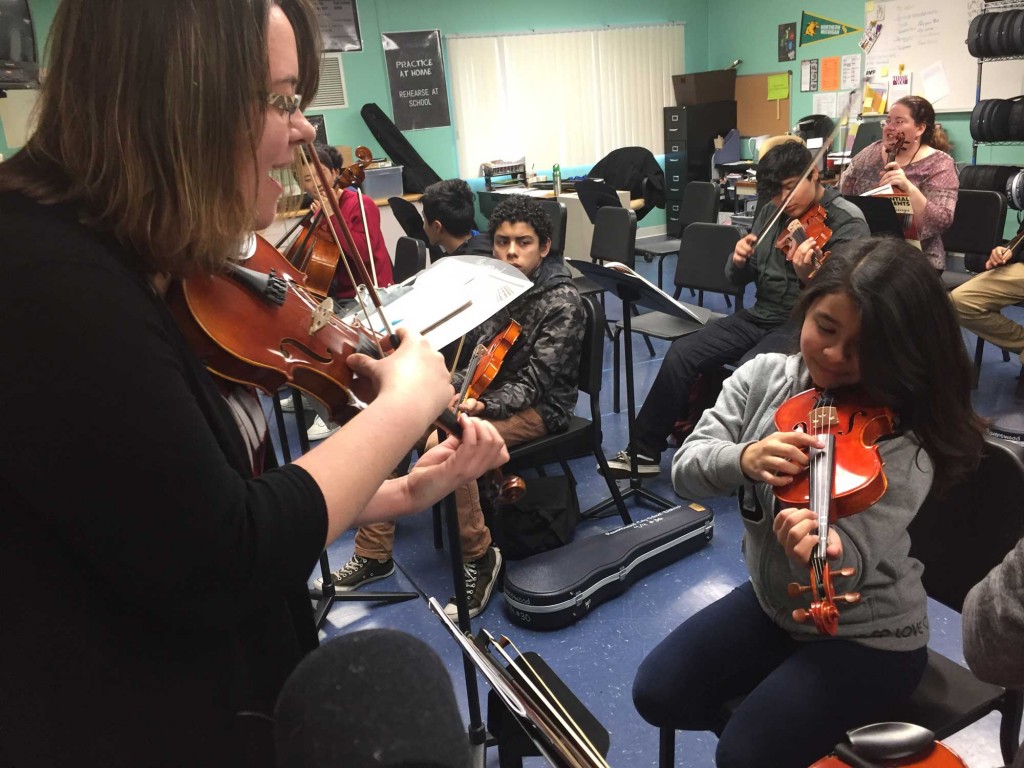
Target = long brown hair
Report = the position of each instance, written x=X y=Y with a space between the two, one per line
x=924 y=114
x=912 y=356
x=146 y=116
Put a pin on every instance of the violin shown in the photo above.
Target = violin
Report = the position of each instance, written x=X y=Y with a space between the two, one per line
x=315 y=250
x=940 y=756
x=842 y=478
x=896 y=148
x=810 y=225
x=483 y=367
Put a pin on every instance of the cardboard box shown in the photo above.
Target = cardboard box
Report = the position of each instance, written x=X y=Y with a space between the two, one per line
x=702 y=87
x=382 y=183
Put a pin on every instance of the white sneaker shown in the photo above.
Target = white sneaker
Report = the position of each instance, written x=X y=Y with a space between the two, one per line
x=288 y=404
x=320 y=429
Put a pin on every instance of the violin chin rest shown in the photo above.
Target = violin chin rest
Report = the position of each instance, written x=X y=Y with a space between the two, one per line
x=889 y=741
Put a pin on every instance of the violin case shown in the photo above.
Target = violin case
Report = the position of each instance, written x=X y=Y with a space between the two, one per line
x=557 y=588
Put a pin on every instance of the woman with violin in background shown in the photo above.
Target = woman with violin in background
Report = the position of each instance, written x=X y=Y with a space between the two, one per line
x=529 y=392
x=778 y=259
x=980 y=301
x=911 y=157
x=804 y=688
x=175 y=556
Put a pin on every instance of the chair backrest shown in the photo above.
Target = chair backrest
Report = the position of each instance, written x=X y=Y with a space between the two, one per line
x=965 y=533
x=557 y=213
x=978 y=222
x=595 y=195
x=592 y=358
x=487 y=201
x=704 y=250
x=408 y=218
x=869 y=131
x=700 y=204
x=410 y=258
x=614 y=236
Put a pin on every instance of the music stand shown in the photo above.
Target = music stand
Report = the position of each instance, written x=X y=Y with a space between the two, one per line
x=328 y=595
x=879 y=212
x=632 y=289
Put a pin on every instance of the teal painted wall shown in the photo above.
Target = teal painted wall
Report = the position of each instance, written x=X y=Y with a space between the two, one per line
x=42 y=18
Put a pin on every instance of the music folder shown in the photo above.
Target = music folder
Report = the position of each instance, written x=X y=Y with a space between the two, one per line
x=880 y=214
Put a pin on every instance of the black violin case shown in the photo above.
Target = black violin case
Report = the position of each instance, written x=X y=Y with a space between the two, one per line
x=558 y=587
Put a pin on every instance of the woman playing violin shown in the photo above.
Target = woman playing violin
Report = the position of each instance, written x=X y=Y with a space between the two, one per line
x=153 y=523
x=803 y=689
x=912 y=157
x=360 y=212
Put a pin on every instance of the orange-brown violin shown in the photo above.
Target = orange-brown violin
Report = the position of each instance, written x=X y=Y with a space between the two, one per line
x=811 y=225
x=842 y=478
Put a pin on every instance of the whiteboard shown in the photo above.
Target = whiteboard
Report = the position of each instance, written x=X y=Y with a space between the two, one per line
x=923 y=34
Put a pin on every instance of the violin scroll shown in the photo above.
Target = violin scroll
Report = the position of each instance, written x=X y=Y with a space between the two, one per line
x=896 y=148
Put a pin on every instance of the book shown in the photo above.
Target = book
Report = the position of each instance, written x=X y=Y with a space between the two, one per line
x=904 y=211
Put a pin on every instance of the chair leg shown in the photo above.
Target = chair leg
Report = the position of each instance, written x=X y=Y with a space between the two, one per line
x=647 y=339
x=1009 y=726
x=615 y=368
x=979 y=352
x=438 y=534
x=666 y=748
x=728 y=301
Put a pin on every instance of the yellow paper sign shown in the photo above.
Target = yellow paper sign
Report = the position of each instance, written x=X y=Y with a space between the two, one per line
x=778 y=87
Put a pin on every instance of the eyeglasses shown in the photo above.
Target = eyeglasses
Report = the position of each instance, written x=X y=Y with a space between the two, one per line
x=897 y=123
x=284 y=102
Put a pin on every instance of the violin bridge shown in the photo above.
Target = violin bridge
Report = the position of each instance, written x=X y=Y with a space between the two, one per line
x=321 y=315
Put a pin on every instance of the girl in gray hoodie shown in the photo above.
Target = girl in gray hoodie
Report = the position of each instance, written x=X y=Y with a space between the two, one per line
x=876 y=320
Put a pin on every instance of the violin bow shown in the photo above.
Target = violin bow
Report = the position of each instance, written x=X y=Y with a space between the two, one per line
x=364 y=276
x=818 y=154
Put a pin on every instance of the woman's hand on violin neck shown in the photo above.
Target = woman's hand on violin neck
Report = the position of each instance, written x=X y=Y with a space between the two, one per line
x=413 y=377
x=471 y=407
x=776 y=458
x=743 y=249
x=457 y=461
x=797 y=531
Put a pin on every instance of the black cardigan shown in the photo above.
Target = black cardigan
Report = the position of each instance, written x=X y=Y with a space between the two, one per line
x=151 y=587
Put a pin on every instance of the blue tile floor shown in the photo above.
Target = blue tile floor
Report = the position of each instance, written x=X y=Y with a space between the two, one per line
x=597 y=657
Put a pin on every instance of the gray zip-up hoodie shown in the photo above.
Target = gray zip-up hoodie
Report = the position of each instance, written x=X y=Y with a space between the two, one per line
x=892 y=614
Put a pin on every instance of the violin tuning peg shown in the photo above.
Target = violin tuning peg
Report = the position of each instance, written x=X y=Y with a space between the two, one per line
x=795 y=590
x=800 y=615
x=849 y=597
x=845 y=572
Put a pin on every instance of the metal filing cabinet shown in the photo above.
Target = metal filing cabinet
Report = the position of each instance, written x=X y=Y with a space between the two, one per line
x=689 y=146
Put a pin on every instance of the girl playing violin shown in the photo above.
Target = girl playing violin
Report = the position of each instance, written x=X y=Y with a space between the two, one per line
x=153 y=524
x=918 y=166
x=803 y=691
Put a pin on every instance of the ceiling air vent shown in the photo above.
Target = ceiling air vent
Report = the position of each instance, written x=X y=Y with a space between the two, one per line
x=332 y=93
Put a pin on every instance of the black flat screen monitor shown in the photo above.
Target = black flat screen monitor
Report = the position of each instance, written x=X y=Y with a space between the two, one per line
x=19 y=54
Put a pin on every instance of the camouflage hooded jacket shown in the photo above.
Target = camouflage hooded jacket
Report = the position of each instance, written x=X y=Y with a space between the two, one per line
x=542 y=367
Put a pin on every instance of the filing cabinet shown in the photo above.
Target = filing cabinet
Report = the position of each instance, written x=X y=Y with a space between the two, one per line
x=689 y=146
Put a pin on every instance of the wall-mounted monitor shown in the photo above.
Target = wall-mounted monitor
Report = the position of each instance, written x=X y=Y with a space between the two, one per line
x=19 y=54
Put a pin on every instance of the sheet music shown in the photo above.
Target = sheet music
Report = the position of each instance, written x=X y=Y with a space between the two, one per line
x=700 y=314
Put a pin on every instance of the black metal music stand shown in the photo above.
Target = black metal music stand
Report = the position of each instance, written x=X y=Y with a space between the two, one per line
x=634 y=289
x=328 y=594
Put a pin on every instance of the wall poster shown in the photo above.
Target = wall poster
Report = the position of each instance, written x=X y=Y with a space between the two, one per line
x=419 y=94
x=339 y=25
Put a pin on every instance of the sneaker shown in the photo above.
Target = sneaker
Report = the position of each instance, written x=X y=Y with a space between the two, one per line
x=359 y=571
x=288 y=404
x=481 y=576
x=620 y=465
x=320 y=429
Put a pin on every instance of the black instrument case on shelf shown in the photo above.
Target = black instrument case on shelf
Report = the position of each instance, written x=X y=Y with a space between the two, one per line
x=558 y=587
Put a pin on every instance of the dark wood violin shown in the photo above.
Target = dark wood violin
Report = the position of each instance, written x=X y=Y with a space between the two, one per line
x=843 y=478
x=315 y=250
x=483 y=367
x=896 y=148
x=810 y=225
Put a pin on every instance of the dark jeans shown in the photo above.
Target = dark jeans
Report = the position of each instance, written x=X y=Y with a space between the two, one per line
x=735 y=337
x=801 y=697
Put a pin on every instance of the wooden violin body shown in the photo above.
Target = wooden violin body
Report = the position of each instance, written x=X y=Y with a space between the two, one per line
x=811 y=225
x=243 y=337
x=843 y=477
x=939 y=757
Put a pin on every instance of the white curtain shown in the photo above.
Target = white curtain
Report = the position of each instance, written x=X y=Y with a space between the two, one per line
x=561 y=97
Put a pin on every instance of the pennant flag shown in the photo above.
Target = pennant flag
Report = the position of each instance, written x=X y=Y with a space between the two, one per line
x=814 y=29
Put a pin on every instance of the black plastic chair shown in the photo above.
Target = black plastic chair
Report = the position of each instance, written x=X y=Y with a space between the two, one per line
x=583 y=436
x=700 y=203
x=957 y=549
x=615 y=240
x=703 y=253
x=558 y=215
x=410 y=258
x=408 y=218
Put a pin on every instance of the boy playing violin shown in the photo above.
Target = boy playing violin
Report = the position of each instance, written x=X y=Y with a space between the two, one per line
x=802 y=690
x=778 y=278
x=533 y=394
